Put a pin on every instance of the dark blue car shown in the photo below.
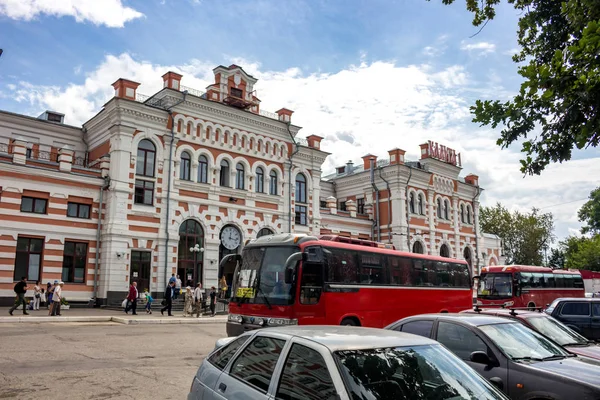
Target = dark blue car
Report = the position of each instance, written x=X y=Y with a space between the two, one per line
x=580 y=314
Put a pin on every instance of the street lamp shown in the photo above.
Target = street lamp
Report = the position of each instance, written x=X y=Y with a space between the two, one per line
x=196 y=249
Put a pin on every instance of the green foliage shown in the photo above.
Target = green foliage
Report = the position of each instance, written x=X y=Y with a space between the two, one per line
x=557 y=259
x=525 y=237
x=556 y=108
x=582 y=252
x=590 y=213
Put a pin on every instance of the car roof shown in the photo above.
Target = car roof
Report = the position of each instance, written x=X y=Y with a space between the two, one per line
x=468 y=319
x=590 y=299
x=506 y=313
x=337 y=338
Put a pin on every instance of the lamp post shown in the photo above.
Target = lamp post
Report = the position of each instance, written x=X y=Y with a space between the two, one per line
x=196 y=249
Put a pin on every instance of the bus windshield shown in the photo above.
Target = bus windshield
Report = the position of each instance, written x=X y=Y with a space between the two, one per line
x=260 y=278
x=495 y=286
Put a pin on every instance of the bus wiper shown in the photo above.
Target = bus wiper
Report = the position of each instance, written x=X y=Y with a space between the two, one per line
x=259 y=290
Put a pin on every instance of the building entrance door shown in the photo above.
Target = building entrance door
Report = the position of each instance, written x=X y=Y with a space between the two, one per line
x=140 y=270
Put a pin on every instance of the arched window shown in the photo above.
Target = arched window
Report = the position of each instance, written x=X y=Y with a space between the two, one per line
x=468 y=215
x=189 y=263
x=421 y=212
x=224 y=174
x=444 y=251
x=264 y=232
x=239 y=176
x=467 y=256
x=446 y=209
x=146 y=157
x=411 y=203
x=184 y=169
x=417 y=248
x=273 y=183
x=439 y=208
x=260 y=180
x=462 y=213
x=202 y=169
x=301 y=209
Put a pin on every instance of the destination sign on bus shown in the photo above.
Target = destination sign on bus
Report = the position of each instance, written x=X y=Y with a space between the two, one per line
x=245 y=292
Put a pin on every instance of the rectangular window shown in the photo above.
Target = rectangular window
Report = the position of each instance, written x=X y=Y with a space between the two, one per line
x=301 y=215
x=322 y=204
x=74 y=262
x=77 y=210
x=360 y=206
x=33 y=205
x=256 y=364
x=144 y=192
x=341 y=266
x=576 y=309
x=343 y=206
x=28 y=258
x=401 y=271
x=371 y=269
x=28 y=153
x=237 y=93
x=221 y=357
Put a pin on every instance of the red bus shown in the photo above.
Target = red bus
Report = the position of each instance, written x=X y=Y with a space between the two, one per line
x=526 y=286
x=296 y=279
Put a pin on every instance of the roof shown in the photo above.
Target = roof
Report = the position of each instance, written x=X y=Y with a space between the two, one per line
x=469 y=319
x=337 y=338
x=503 y=312
x=589 y=299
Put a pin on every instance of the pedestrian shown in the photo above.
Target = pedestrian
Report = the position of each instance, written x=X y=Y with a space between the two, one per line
x=149 y=301
x=197 y=300
x=168 y=300
x=51 y=288
x=188 y=304
x=222 y=287
x=213 y=300
x=172 y=278
x=37 y=296
x=57 y=298
x=177 y=287
x=132 y=298
x=20 y=289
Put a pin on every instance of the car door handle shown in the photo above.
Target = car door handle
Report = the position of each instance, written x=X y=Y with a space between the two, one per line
x=222 y=387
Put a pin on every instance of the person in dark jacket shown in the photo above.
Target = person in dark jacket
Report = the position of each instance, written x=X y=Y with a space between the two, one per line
x=213 y=300
x=20 y=290
x=168 y=300
x=132 y=298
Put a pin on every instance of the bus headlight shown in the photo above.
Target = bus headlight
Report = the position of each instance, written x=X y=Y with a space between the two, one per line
x=235 y=318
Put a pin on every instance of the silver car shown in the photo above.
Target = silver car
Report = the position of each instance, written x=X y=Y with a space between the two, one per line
x=335 y=363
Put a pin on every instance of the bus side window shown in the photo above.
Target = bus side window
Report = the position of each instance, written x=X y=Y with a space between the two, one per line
x=568 y=280
x=311 y=284
x=400 y=271
x=526 y=280
x=578 y=281
x=460 y=275
x=559 y=280
x=341 y=266
x=549 y=278
x=371 y=269
x=442 y=270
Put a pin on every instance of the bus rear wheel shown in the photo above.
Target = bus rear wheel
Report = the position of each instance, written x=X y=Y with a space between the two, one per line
x=350 y=321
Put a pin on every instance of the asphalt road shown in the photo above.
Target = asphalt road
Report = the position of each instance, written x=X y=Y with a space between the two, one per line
x=102 y=361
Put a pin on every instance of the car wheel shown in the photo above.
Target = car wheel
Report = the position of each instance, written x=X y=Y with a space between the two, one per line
x=350 y=322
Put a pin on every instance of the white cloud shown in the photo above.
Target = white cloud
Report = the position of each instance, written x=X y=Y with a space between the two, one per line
x=438 y=48
x=365 y=108
x=111 y=13
x=479 y=48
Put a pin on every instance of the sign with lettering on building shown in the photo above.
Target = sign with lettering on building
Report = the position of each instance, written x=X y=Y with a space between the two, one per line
x=443 y=153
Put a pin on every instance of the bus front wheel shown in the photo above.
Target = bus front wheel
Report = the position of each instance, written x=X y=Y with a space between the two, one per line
x=531 y=306
x=350 y=321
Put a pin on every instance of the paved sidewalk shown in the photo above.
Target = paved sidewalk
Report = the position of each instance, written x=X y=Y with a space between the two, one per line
x=101 y=315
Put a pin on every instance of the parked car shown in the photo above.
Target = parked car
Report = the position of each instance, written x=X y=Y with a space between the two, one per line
x=580 y=314
x=524 y=363
x=335 y=362
x=547 y=326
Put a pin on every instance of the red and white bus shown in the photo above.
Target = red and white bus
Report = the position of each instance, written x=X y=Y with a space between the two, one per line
x=526 y=286
x=294 y=279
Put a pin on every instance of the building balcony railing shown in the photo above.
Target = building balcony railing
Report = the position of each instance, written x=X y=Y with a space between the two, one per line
x=46 y=156
x=5 y=148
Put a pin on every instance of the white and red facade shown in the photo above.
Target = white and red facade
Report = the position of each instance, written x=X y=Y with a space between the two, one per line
x=183 y=170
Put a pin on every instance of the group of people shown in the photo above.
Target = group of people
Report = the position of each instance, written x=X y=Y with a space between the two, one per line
x=53 y=295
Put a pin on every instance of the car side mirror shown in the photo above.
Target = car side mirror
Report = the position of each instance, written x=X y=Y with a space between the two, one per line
x=290 y=266
x=497 y=382
x=480 y=357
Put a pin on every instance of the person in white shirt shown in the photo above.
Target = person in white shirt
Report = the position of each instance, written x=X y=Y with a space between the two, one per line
x=57 y=298
x=37 y=295
x=177 y=287
x=198 y=300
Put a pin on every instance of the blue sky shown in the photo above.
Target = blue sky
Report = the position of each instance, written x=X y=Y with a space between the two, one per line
x=405 y=70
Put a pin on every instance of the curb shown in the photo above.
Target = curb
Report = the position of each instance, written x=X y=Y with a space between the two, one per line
x=119 y=320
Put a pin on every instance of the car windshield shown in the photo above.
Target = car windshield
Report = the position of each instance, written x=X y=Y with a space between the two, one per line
x=495 y=286
x=412 y=373
x=261 y=276
x=556 y=331
x=521 y=343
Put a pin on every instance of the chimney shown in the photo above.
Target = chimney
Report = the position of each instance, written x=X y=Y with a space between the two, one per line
x=314 y=141
x=424 y=150
x=349 y=167
x=171 y=80
x=52 y=116
x=125 y=89
x=367 y=161
x=285 y=115
x=396 y=156
x=472 y=179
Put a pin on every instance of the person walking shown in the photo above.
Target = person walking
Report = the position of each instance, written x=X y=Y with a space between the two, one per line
x=132 y=298
x=37 y=296
x=197 y=300
x=168 y=300
x=177 y=287
x=51 y=288
x=57 y=299
x=213 y=301
x=149 y=301
x=20 y=289
x=188 y=304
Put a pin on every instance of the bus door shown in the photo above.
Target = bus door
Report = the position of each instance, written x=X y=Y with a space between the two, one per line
x=309 y=308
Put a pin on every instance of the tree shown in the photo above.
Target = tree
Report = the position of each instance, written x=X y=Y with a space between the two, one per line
x=590 y=213
x=525 y=237
x=556 y=108
x=557 y=259
x=582 y=252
